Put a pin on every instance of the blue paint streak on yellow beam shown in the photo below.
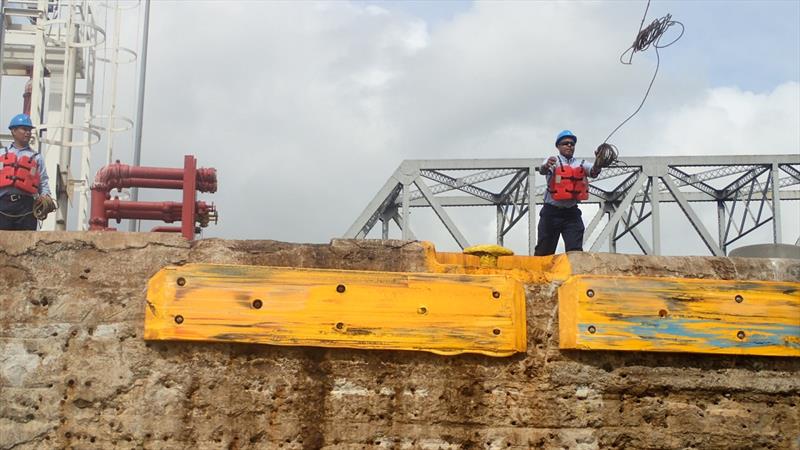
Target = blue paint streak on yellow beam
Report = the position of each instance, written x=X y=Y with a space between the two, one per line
x=687 y=330
x=679 y=315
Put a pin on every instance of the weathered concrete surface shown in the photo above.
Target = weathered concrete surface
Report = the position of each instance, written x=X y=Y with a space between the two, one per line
x=74 y=371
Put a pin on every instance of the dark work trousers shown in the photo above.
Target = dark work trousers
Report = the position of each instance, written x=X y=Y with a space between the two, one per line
x=555 y=222
x=16 y=212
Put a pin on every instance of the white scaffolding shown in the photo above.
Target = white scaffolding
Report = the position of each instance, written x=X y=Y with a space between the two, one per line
x=57 y=43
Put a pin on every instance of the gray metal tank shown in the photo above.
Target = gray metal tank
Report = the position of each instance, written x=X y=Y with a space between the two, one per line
x=767 y=251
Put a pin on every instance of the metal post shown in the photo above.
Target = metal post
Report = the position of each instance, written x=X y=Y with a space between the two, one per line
x=2 y=40
x=385 y=229
x=86 y=150
x=67 y=121
x=531 y=210
x=406 y=213
x=499 y=225
x=114 y=72
x=721 y=226
x=612 y=239
x=656 y=216
x=776 y=204
x=137 y=140
x=37 y=75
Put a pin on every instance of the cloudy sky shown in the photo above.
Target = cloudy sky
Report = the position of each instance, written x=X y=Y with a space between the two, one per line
x=306 y=108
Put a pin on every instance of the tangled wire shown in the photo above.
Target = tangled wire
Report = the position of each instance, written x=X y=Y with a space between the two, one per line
x=606 y=155
x=645 y=38
x=42 y=206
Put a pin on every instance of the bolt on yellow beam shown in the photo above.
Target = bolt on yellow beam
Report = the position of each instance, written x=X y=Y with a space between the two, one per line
x=679 y=315
x=440 y=313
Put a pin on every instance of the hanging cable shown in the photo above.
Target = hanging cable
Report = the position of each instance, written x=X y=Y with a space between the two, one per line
x=606 y=153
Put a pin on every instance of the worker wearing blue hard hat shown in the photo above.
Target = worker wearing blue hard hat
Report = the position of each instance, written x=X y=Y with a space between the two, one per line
x=20 y=120
x=24 y=184
x=567 y=185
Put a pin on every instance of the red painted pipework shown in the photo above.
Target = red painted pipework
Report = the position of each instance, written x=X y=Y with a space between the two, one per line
x=190 y=179
x=153 y=183
x=143 y=215
x=122 y=205
x=189 y=196
x=124 y=176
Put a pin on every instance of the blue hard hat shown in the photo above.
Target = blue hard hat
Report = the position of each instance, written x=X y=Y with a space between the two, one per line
x=565 y=134
x=20 y=120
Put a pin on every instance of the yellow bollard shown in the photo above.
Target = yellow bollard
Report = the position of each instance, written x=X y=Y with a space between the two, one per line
x=488 y=253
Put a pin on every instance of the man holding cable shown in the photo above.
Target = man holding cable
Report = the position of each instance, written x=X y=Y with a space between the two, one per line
x=24 y=184
x=567 y=185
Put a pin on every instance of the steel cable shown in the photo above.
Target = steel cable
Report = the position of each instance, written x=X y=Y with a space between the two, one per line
x=606 y=153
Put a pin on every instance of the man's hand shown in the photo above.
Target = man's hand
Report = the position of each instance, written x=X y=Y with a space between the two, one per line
x=551 y=161
x=42 y=206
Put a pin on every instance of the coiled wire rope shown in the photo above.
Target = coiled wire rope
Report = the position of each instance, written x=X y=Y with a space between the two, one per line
x=650 y=36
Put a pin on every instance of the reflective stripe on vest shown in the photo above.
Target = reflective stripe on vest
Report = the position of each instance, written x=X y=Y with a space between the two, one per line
x=21 y=173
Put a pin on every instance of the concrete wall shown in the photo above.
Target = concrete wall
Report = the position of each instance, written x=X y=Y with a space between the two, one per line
x=74 y=371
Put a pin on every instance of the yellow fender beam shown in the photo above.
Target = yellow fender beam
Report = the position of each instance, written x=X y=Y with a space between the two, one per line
x=679 y=315
x=440 y=313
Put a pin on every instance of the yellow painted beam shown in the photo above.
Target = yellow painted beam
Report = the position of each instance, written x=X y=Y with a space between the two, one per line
x=440 y=313
x=679 y=315
x=527 y=269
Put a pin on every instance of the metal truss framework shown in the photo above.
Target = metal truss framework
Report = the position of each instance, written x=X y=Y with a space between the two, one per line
x=747 y=192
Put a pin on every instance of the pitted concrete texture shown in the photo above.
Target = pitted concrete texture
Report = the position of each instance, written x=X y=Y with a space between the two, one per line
x=75 y=373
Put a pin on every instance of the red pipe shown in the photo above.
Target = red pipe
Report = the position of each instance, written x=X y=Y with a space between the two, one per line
x=123 y=176
x=118 y=205
x=189 y=196
x=98 y=219
x=190 y=179
x=153 y=183
x=150 y=215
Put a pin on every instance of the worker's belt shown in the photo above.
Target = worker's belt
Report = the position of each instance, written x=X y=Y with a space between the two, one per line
x=548 y=205
x=16 y=197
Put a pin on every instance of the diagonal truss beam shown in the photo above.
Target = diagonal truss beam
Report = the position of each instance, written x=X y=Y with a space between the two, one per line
x=403 y=226
x=471 y=179
x=687 y=180
x=443 y=216
x=620 y=210
x=637 y=237
x=456 y=184
x=513 y=185
x=379 y=204
x=742 y=181
x=693 y=219
x=587 y=232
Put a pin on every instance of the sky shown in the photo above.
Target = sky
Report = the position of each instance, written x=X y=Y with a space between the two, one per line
x=306 y=108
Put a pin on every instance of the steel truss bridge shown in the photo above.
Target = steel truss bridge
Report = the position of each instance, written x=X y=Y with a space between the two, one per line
x=746 y=192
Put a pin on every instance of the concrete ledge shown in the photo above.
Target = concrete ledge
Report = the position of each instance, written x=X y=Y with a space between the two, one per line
x=75 y=371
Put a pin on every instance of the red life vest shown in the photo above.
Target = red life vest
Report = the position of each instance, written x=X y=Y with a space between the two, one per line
x=19 y=172
x=569 y=183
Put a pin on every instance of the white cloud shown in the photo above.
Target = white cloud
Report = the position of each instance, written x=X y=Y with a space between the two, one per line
x=728 y=120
